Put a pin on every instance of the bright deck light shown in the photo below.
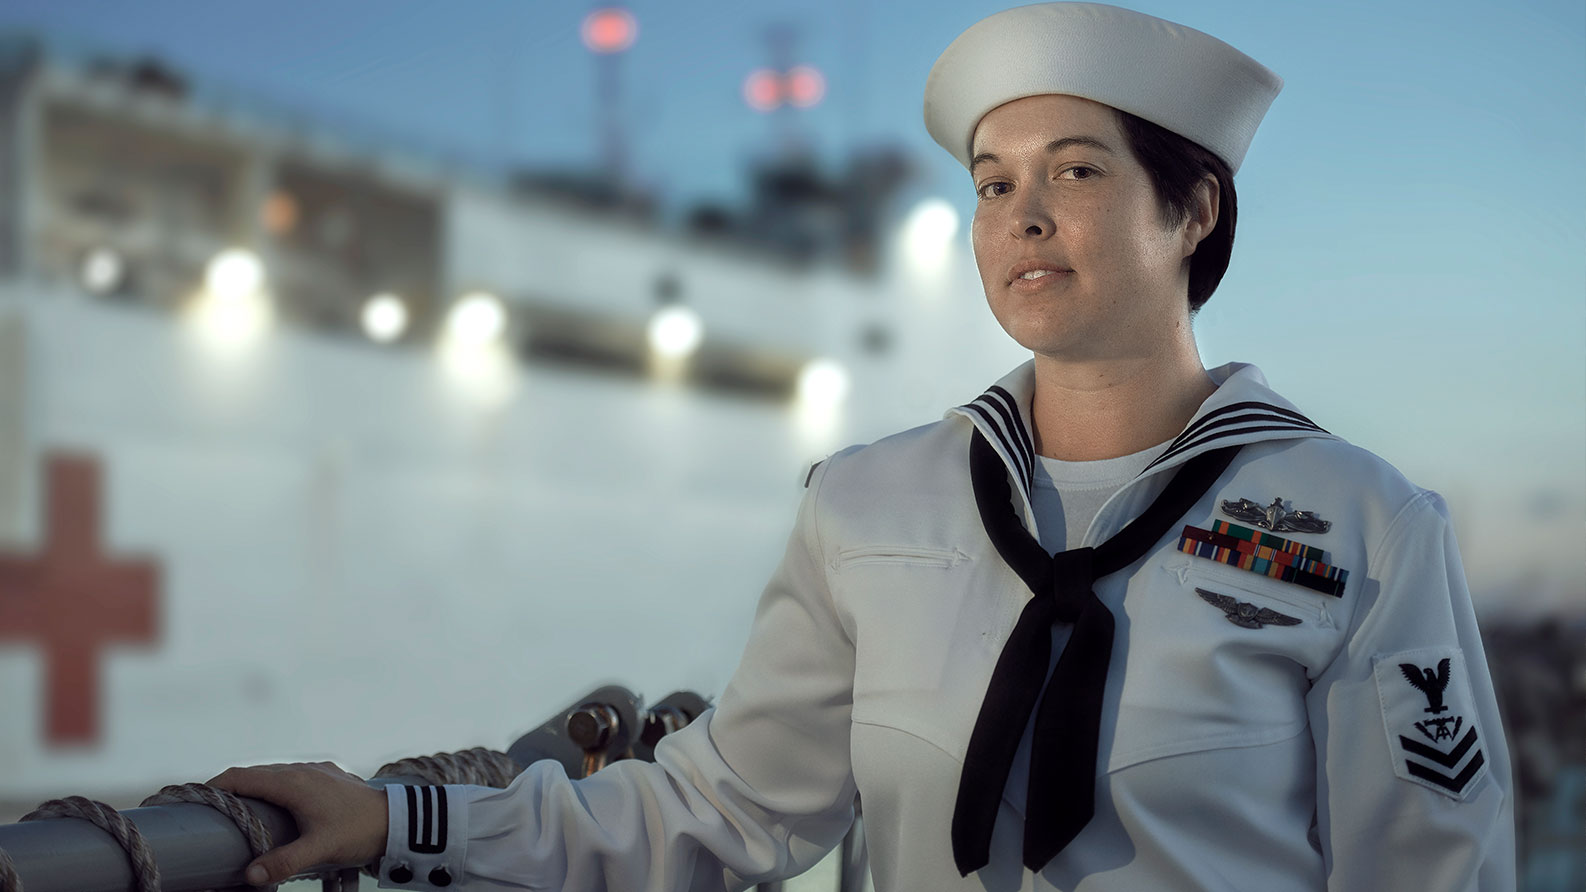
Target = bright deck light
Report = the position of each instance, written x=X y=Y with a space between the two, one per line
x=476 y=319
x=384 y=318
x=823 y=383
x=817 y=412
x=102 y=270
x=232 y=311
x=675 y=332
x=230 y=323
x=482 y=375
x=928 y=234
x=234 y=272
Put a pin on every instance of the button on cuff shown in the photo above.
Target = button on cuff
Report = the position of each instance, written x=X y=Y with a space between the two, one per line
x=401 y=874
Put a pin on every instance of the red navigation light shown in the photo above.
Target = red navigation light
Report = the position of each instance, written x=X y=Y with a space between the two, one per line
x=805 y=86
x=610 y=30
x=762 y=89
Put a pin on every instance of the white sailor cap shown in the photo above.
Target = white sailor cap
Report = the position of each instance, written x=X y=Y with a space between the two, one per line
x=1176 y=77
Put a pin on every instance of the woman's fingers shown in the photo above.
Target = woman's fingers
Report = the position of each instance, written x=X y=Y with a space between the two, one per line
x=340 y=819
x=281 y=863
x=272 y=783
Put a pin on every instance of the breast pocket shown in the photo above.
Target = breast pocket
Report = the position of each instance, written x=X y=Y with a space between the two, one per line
x=849 y=559
x=1213 y=660
x=905 y=602
x=920 y=621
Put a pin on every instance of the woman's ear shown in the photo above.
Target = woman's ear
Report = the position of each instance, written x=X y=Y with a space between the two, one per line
x=1202 y=213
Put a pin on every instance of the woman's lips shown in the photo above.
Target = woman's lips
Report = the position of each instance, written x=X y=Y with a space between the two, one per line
x=1052 y=278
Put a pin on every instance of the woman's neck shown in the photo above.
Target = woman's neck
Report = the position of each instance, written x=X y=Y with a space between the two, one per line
x=1096 y=409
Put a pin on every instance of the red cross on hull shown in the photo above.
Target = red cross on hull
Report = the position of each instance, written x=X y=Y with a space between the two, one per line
x=71 y=600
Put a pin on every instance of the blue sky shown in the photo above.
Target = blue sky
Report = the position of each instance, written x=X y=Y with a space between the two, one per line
x=1411 y=260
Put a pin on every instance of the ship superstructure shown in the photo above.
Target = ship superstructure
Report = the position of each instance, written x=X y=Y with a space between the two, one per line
x=567 y=449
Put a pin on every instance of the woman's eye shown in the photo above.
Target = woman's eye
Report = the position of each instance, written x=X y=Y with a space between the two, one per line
x=994 y=189
x=1080 y=172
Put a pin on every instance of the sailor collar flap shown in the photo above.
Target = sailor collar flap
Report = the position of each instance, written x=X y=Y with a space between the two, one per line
x=1244 y=409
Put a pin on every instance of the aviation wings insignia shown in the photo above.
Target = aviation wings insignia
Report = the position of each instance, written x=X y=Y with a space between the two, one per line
x=1244 y=613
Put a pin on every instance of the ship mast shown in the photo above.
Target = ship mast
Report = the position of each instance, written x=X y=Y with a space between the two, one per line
x=608 y=32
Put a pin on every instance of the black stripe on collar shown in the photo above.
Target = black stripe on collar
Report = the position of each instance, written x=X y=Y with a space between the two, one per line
x=1017 y=420
x=1001 y=415
x=1210 y=431
x=1280 y=424
x=1206 y=421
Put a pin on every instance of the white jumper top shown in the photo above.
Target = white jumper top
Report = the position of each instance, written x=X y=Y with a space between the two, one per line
x=1356 y=748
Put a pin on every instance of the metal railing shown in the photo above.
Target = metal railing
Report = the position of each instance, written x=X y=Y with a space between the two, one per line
x=185 y=846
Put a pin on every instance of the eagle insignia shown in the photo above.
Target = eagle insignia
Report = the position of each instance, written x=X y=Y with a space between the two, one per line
x=1430 y=683
x=1274 y=517
x=1245 y=614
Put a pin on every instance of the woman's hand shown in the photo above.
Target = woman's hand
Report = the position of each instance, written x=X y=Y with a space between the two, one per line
x=340 y=819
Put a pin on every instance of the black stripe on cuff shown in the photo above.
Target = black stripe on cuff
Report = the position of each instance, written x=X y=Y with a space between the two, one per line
x=427 y=824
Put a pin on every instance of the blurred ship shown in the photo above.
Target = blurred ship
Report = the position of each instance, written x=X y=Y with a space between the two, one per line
x=312 y=449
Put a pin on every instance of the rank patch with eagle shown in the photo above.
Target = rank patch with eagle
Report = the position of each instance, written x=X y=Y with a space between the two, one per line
x=1430 y=720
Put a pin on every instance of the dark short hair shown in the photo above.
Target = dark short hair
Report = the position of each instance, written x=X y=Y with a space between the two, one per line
x=1176 y=165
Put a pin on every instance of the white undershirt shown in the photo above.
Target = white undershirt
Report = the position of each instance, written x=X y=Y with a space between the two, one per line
x=1068 y=494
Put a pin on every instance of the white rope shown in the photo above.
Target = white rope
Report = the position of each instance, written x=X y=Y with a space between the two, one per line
x=253 y=830
x=481 y=766
x=145 y=873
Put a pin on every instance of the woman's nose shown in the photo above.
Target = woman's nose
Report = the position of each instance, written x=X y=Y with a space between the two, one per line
x=1034 y=219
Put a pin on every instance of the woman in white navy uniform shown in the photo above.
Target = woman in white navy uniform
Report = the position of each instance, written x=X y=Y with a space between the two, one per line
x=1120 y=623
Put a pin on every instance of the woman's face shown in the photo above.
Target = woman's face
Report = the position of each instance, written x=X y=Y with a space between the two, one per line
x=1061 y=198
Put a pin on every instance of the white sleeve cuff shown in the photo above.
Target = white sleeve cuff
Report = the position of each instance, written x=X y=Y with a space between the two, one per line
x=427 y=837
